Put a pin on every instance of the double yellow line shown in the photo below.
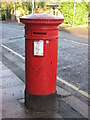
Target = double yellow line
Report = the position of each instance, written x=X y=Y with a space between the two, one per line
x=74 y=87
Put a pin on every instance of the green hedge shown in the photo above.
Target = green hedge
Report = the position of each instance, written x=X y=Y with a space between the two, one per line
x=81 y=9
x=65 y=7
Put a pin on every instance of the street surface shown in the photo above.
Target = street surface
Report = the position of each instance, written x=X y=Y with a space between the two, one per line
x=72 y=63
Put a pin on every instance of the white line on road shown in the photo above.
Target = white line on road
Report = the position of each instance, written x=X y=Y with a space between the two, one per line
x=10 y=50
x=58 y=78
x=76 y=42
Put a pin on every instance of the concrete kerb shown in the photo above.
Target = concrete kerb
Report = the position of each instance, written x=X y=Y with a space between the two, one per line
x=63 y=94
x=13 y=56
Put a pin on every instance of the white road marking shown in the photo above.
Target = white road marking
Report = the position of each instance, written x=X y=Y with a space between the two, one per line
x=76 y=42
x=58 y=78
x=10 y=50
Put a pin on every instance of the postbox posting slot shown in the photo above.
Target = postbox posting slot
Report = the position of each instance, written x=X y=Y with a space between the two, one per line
x=39 y=33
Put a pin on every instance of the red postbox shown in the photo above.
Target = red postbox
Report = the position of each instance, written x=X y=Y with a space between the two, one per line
x=41 y=47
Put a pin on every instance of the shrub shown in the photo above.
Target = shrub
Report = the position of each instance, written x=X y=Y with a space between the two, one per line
x=81 y=9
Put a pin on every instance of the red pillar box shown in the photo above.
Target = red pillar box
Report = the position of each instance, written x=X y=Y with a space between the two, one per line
x=41 y=47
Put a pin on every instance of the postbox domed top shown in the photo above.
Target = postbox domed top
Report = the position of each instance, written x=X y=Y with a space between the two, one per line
x=41 y=19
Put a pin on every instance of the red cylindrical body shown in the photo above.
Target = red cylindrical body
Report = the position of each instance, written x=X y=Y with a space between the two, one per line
x=41 y=70
x=41 y=47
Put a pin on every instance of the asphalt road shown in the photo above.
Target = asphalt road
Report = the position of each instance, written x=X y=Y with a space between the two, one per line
x=72 y=63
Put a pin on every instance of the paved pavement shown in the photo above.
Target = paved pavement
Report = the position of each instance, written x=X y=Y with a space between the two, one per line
x=13 y=100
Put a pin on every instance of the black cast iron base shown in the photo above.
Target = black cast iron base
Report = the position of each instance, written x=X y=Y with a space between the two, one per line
x=41 y=103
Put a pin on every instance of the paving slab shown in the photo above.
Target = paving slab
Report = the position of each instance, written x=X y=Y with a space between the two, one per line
x=0 y=53
x=3 y=67
x=14 y=68
x=0 y=113
x=14 y=109
x=6 y=73
x=13 y=93
x=11 y=81
x=0 y=96
x=78 y=105
x=61 y=92
x=66 y=111
x=0 y=86
x=20 y=111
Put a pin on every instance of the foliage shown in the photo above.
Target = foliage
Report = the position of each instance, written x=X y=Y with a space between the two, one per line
x=81 y=9
x=41 y=4
x=22 y=8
